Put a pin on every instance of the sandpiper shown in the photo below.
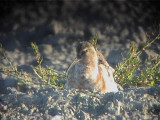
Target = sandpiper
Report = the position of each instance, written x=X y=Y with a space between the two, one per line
x=90 y=70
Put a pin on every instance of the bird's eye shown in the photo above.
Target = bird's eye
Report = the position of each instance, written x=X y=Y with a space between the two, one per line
x=84 y=51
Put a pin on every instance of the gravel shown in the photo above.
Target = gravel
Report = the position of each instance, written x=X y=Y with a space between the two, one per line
x=47 y=103
x=57 y=27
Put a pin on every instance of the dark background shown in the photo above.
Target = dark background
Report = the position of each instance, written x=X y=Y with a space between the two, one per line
x=33 y=21
x=57 y=27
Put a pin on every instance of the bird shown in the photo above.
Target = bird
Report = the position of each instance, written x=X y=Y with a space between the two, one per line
x=90 y=71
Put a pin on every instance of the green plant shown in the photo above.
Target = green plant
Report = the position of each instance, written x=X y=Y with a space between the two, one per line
x=94 y=40
x=11 y=70
x=47 y=75
x=134 y=71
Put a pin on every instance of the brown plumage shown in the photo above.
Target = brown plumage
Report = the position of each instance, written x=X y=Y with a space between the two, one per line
x=90 y=71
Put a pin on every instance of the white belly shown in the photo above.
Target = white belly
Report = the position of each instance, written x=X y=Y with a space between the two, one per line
x=109 y=80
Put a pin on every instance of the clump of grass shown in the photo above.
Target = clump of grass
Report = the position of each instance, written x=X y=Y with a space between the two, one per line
x=11 y=70
x=47 y=75
x=94 y=40
x=134 y=71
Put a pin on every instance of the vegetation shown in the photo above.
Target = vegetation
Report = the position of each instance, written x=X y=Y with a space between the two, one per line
x=47 y=75
x=132 y=71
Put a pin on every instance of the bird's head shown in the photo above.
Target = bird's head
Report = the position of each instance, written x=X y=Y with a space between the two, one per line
x=85 y=50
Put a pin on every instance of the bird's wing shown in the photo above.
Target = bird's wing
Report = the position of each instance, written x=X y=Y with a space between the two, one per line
x=102 y=60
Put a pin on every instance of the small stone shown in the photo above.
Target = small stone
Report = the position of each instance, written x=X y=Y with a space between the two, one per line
x=57 y=117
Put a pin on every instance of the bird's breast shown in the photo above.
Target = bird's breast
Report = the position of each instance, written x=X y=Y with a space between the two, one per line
x=86 y=71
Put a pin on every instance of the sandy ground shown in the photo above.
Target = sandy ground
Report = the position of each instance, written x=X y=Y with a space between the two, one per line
x=57 y=27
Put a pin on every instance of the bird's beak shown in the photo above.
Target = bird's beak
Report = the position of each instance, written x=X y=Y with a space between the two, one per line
x=72 y=64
